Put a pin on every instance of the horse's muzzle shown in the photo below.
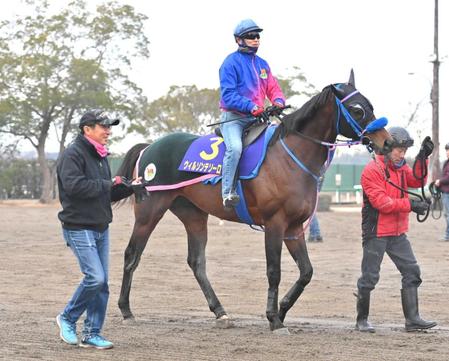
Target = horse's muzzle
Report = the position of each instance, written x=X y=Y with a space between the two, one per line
x=365 y=140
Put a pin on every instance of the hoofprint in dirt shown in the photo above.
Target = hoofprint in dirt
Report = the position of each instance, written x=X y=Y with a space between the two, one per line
x=173 y=322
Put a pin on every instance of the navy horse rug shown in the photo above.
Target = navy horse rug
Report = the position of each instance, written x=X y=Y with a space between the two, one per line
x=199 y=158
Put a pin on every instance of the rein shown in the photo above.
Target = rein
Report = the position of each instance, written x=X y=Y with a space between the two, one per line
x=331 y=147
x=435 y=194
x=298 y=162
x=422 y=197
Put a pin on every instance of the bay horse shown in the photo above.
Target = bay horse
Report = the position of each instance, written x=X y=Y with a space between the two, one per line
x=280 y=199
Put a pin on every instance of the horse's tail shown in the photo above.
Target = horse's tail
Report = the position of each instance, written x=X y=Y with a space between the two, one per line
x=126 y=169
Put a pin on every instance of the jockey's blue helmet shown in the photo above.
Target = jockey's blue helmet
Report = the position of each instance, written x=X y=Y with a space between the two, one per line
x=246 y=26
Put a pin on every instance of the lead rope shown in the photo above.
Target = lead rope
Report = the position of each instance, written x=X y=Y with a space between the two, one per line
x=422 y=198
x=424 y=173
x=437 y=205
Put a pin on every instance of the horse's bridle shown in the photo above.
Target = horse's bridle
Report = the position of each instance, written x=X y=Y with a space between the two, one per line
x=374 y=125
x=371 y=127
x=331 y=147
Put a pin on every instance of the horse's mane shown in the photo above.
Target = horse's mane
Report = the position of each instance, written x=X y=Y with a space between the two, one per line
x=295 y=121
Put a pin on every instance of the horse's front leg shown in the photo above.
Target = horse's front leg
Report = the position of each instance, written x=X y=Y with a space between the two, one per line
x=296 y=245
x=273 y=249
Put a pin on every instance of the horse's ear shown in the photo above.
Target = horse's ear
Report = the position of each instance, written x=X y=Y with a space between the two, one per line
x=351 y=80
x=337 y=90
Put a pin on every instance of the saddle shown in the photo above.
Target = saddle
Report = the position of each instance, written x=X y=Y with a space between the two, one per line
x=180 y=159
x=177 y=159
x=251 y=133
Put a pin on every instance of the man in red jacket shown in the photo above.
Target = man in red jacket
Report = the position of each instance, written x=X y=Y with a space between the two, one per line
x=384 y=225
x=443 y=184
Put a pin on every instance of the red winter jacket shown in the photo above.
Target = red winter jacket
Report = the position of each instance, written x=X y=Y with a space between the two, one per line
x=385 y=208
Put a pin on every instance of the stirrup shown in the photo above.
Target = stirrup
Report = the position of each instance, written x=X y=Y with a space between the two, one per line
x=231 y=200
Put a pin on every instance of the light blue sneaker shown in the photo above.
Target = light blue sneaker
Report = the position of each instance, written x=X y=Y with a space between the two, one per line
x=96 y=341
x=67 y=330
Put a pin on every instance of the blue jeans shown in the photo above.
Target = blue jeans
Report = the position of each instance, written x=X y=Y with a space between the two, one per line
x=445 y=200
x=314 y=230
x=232 y=132
x=92 y=251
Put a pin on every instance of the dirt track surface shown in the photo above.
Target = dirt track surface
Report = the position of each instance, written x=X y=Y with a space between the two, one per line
x=39 y=274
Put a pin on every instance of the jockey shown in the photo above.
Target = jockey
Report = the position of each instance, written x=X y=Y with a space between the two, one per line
x=245 y=82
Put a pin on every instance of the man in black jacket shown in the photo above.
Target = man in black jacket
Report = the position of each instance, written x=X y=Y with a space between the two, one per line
x=86 y=191
x=443 y=184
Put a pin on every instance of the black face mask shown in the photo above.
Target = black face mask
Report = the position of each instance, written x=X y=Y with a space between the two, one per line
x=245 y=48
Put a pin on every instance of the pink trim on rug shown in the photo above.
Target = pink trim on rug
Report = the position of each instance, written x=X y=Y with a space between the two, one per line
x=180 y=185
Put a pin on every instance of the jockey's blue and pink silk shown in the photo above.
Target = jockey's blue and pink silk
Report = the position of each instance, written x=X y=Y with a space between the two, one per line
x=245 y=81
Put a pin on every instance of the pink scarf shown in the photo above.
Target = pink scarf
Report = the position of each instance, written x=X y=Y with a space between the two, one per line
x=100 y=148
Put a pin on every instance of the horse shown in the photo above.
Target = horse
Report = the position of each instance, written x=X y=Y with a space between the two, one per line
x=280 y=199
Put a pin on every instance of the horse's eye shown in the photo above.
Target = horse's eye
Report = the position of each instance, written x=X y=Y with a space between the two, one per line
x=357 y=112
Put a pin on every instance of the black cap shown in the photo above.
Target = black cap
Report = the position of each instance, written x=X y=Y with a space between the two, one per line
x=97 y=116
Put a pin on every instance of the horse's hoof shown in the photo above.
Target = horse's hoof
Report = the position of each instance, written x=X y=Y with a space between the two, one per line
x=224 y=322
x=283 y=331
x=129 y=320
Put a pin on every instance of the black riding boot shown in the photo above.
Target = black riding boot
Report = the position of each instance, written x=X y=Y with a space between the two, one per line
x=362 y=324
x=413 y=321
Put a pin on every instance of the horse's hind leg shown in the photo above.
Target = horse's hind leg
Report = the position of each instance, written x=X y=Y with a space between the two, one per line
x=297 y=247
x=195 y=223
x=147 y=215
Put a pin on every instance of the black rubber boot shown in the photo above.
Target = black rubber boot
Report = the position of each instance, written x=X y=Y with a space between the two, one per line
x=362 y=324
x=413 y=321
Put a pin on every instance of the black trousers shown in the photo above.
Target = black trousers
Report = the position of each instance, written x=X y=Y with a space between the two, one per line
x=399 y=250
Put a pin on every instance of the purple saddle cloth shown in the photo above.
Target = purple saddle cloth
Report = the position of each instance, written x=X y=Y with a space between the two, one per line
x=205 y=155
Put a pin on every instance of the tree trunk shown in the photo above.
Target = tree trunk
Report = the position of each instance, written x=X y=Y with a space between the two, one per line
x=47 y=180
x=436 y=171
